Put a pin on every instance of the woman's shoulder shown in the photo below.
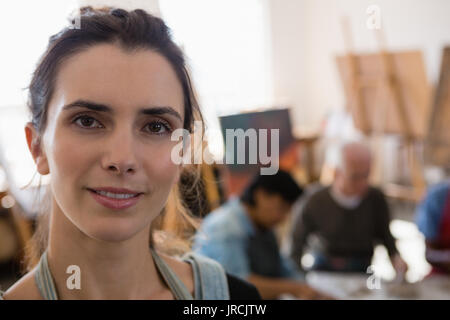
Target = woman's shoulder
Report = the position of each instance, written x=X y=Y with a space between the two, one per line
x=24 y=289
x=241 y=289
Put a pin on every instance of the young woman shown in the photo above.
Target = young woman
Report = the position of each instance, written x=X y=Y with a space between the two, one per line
x=104 y=101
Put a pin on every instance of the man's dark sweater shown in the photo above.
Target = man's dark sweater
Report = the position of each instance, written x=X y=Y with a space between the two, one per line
x=345 y=234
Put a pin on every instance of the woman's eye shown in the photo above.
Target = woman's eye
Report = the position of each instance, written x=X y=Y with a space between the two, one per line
x=87 y=122
x=158 y=127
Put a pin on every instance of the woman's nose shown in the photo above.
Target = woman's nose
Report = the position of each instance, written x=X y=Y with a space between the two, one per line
x=120 y=155
x=121 y=168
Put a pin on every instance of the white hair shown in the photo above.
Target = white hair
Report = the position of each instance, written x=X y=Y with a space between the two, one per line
x=340 y=150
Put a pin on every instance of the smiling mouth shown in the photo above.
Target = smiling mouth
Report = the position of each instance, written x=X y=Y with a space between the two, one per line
x=113 y=200
x=114 y=195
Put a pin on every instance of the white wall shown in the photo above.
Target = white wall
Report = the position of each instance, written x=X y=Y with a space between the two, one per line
x=307 y=34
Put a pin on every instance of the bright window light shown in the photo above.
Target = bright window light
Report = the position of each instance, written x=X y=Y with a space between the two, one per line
x=227 y=45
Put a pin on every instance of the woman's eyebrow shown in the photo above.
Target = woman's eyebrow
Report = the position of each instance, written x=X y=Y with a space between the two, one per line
x=88 y=105
x=104 y=108
x=160 y=111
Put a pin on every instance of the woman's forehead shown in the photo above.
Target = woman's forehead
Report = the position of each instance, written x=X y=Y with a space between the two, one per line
x=110 y=75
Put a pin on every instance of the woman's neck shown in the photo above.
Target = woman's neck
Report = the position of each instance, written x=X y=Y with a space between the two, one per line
x=119 y=270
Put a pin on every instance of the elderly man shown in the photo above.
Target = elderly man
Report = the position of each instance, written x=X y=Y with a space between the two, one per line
x=347 y=218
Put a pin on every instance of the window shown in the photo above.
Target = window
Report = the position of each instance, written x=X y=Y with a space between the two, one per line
x=227 y=43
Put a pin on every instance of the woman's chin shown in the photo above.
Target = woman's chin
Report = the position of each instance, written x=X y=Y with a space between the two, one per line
x=113 y=232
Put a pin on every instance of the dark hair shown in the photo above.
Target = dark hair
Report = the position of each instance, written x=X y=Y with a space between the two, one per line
x=131 y=30
x=281 y=183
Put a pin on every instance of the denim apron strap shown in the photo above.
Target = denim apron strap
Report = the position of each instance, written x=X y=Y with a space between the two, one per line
x=44 y=280
x=177 y=287
x=209 y=276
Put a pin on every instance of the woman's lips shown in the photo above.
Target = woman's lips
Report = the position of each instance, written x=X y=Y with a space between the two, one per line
x=115 y=204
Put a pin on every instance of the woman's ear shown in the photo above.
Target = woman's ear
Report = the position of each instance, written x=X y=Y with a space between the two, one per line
x=35 y=147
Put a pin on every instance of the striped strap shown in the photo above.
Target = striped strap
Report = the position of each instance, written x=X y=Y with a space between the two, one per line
x=177 y=287
x=44 y=280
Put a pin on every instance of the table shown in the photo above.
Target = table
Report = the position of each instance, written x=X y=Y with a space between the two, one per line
x=350 y=286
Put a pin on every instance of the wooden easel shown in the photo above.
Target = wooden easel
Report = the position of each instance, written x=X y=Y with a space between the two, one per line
x=375 y=123
x=437 y=147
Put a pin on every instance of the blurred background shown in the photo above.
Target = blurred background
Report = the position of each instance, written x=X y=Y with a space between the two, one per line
x=327 y=70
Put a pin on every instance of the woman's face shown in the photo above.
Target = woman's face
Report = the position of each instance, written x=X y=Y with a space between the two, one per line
x=109 y=125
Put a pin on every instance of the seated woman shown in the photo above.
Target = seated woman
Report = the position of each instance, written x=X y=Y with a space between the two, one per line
x=104 y=101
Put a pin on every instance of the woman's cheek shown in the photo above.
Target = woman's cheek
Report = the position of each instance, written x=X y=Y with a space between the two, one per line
x=71 y=167
x=163 y=164
x=70 y=154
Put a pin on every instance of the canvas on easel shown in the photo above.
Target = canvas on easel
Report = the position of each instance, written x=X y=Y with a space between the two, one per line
x=374 y=96
x=438 y=141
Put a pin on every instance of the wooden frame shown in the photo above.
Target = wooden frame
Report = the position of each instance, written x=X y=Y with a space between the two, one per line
x=437 y=148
